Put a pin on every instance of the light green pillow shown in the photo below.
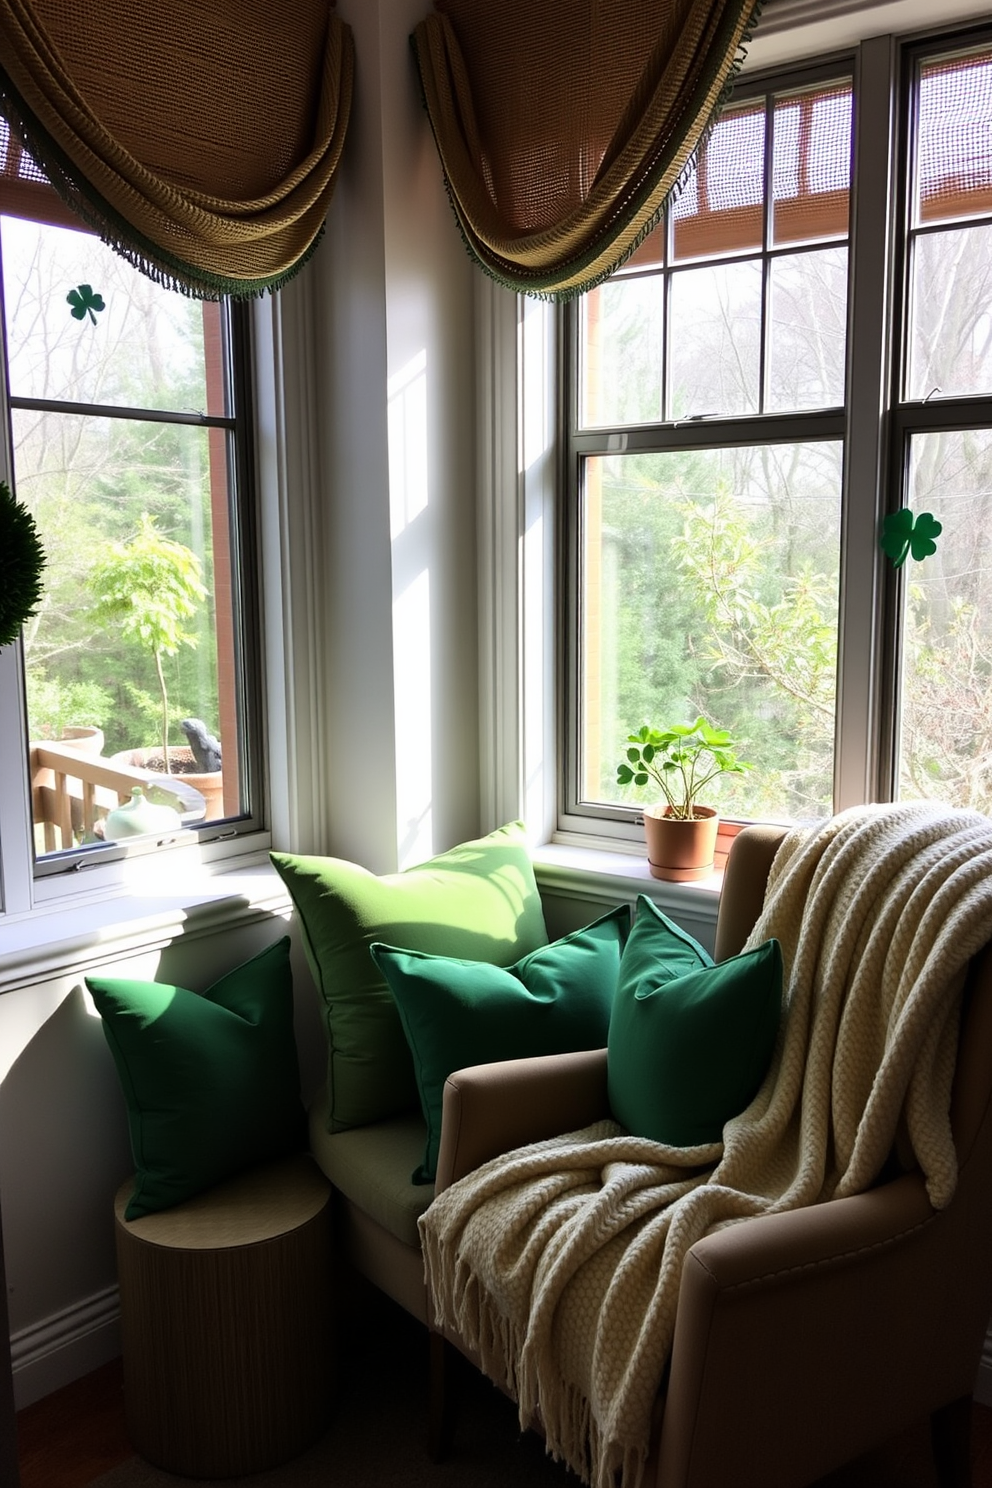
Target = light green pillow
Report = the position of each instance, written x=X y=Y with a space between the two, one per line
x=690 y=1042
x=212 y=1081
x=479 y=902
x=457 y=1013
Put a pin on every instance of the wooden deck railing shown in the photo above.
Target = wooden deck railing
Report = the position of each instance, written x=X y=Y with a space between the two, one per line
x=72 y=791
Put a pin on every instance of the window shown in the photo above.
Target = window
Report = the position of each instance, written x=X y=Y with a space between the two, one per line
x=129 y=445
x=743 y=411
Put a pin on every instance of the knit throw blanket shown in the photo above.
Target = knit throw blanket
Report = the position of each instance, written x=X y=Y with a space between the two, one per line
x=560 y=1263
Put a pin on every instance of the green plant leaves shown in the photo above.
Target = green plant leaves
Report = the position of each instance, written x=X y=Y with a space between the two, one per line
x=84 y=302
x=905 y=535
x=22 y=559
x=680 y=759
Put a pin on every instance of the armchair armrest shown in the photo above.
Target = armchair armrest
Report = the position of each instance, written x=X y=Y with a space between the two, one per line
x=842 y=1314
x=493 y=1108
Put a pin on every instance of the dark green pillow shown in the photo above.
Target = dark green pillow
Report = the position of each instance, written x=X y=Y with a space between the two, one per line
x=456 y=1013
x=690 y=1042
x=478 y=902
x=212 y=1082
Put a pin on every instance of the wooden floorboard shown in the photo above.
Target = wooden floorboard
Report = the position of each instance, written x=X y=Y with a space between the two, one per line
x=76 y=1434
x=72 y=1436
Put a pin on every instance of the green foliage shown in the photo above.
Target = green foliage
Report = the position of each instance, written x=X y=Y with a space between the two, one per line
x=681 y=759
x=770 y=643
x=148 y=588
x=790 y=639
x=22 y=559
x=54 y=705
x=947 y=708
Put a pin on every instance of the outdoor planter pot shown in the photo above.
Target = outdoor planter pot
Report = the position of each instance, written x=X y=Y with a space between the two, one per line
x=680 y=849
x=210 y=784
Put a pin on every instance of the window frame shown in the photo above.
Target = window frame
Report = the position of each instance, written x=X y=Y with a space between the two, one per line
x=874 y=423
x=30 y=882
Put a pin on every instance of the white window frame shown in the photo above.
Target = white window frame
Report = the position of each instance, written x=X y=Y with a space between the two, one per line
x=45 y=918
x=520 y=601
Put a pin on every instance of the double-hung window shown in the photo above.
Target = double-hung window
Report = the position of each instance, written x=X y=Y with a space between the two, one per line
x=129 y=442
x=800 y=350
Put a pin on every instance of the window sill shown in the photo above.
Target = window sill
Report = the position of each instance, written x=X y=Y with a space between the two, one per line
x=581 y=870
x=51 y=942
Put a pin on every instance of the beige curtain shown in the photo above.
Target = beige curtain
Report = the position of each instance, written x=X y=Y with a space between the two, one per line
x=200 y=137
x=563 y=125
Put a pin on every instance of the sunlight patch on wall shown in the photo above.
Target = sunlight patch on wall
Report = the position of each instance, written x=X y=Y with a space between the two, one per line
x=412 y=640
x=407 y=396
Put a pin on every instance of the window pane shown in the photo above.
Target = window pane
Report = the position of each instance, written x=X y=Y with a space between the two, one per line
x=951 y=312
x=812 y=165
x=954 y=126
x=622 y=337
x=136 y=632
x=720 y=207
x=946 y=724
x=807 y=330
x=143 y=349
x=709 y=585
x=715 y=340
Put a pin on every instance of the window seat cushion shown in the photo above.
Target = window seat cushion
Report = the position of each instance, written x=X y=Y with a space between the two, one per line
x=371 y=1166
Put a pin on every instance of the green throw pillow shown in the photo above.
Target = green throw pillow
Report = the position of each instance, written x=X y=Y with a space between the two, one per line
x=456 y=1012
x=478 y=902
x=212 y=1081
x=690 y=1042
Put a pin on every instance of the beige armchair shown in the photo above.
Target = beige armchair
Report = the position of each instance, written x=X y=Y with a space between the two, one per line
x=802 y=1339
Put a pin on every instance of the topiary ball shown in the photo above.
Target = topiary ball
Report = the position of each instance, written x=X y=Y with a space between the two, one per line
x=22 y=559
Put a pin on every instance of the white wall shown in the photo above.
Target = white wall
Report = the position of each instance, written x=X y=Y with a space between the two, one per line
x=64 y=1147
x=395 y=362
x=372 y=656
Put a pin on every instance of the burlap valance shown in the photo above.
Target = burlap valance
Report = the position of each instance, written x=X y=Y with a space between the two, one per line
x=563 y=126
x=199 y=137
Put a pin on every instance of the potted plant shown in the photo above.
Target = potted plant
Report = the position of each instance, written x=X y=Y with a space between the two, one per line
x=681 y=759
x=147 y=589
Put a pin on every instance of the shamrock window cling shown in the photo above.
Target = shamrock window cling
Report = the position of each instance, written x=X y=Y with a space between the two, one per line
x=84 y=302
x=905 y=535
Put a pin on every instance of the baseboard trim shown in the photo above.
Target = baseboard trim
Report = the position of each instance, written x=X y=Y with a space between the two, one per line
x=71 y=1343
x=47 y=1355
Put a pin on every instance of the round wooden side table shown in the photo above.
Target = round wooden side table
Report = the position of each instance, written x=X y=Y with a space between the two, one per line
x=226 y=1322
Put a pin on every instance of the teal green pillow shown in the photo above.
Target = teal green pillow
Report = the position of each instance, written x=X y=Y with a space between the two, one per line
x=478 y=902
x=212 y=1081
x=689 y=1042
x=456 y=1012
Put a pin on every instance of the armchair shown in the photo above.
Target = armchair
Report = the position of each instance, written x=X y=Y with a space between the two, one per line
x=802 y=1339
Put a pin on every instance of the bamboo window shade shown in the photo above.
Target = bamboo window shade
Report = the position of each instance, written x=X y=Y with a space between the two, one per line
x=200 y=138
x=563 y=126
x=954 y=174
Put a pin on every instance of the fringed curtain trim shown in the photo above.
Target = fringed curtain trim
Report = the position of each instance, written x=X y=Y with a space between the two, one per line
x=563 y=127
x=201 y=140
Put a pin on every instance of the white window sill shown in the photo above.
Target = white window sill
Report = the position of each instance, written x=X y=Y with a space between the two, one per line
x=93 y=929
x=580 y=870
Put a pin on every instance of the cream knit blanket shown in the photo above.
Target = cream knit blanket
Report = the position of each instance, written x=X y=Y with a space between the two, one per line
x=560 y=1263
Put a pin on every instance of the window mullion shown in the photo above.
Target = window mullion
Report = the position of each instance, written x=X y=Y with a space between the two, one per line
x=860 y=774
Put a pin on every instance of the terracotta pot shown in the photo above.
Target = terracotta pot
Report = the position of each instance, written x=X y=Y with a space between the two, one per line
x=680 y=851
x=210 y=785
x=84 y=737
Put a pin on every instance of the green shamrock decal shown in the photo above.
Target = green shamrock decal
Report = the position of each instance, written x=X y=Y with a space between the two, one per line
x=904 y=535
x=84 y=302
